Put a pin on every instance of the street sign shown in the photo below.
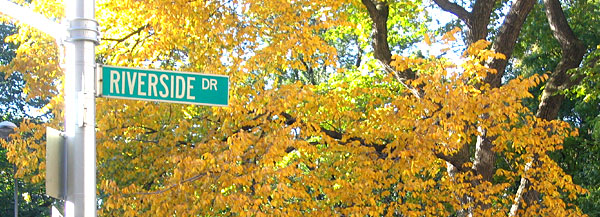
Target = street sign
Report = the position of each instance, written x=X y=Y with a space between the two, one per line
x=163 y=86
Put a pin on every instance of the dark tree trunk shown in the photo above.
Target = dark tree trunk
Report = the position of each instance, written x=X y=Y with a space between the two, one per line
x=572 y=55
x=573 y=51
x=477 y=21
x=507 y=38
x=379 y=12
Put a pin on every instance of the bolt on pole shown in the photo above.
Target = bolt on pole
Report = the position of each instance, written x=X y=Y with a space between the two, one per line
x=80 y=108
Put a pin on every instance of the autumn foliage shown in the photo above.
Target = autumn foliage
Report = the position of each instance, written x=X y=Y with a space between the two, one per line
x=362 y=142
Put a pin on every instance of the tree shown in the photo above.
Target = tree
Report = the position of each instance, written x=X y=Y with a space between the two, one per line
x=535 y=53
x=571 y=47
x=402 y=135
x=15 y=106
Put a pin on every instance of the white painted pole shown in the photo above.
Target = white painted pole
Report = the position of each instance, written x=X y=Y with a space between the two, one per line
x=80 y=109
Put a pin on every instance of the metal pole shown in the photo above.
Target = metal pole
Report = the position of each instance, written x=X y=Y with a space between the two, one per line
x=16 y=193
x=80 y=109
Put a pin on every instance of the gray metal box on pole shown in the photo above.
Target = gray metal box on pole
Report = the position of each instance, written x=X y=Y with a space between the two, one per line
x=55 y=163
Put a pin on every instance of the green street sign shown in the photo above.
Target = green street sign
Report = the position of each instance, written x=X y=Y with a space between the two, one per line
x=163 y=86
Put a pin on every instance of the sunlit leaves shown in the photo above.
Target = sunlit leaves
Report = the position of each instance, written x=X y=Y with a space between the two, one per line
x=360 y=143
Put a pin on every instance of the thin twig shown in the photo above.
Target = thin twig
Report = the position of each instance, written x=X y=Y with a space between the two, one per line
x=389 y=68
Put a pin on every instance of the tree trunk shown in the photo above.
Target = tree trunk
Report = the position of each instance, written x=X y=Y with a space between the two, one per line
x=573 y=51
x=507 y=38
x=379 y=12
x=477 y=21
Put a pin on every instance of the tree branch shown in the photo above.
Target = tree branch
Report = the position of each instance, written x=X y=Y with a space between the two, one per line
x=573 y=51
x=507 y=38
x=191 y=179
x=379 y=12
x=520 y=191
x=401 y=77
x=119 y=40
x=483 y=7
x=339 y=136
x=479 y=20
x=358 y=57
x=458 y=159
x=310 y=73
x=454 y=8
